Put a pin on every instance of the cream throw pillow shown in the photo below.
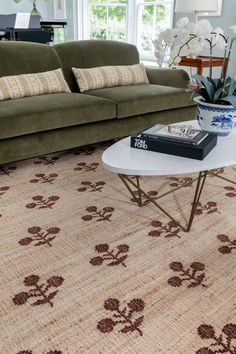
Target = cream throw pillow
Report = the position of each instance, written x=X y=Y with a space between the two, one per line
x=26 y=85
x=110 y=76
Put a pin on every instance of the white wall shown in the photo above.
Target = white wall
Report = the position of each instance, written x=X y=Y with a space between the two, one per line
x=10 y=7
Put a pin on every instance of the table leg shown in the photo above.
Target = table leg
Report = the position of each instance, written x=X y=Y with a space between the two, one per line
x=218 y=172
x=129 y=182
x=199 y=70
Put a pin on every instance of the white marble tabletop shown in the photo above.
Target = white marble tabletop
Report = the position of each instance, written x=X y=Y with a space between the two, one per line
x=121 y=158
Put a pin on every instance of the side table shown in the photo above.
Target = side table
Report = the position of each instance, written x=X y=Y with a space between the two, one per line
x=202 y=62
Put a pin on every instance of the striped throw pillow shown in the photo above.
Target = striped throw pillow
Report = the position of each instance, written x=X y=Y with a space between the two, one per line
x=26 y=85
x=110 y=76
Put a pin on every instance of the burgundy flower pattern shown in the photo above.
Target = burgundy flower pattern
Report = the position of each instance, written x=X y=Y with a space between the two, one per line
x=151 y=194
x=229 y=245
x=42 y=178
x=103 y=214
x=30 y=352
x=3 y=190
x=83 y=166
x=181 y=182
x=193 y=275
x=122 y=316
x=38 y=237
x=7 y=170
x=46 y=160
x=208 y=208
x=41 y=202
x=39 y=291
x=219 y=344
x=91 y=186
x=106 y=254
x=171 y=229
x=231 y=191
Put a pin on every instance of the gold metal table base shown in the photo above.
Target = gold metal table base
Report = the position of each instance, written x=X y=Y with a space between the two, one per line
x=138 y=193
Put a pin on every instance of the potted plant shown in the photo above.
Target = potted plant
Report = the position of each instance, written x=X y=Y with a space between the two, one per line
x=216 y=101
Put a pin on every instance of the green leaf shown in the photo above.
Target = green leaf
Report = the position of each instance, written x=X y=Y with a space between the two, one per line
x=228 y=80
x=213 y=82
x=201 y=80
x=204 y=94
x=217 y=94
x=230 y=100
x=232 y=88
x=218 y=83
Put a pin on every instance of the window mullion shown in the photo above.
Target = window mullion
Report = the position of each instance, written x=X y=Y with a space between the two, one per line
x=131 y=21
x=107 y=20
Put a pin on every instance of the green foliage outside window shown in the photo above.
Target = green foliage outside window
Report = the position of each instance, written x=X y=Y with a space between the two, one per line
x=108 y=21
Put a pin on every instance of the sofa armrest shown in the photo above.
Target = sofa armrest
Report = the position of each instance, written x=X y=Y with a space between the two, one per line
x=167 y=77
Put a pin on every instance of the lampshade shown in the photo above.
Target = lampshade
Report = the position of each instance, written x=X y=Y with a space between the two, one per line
x=196 y=5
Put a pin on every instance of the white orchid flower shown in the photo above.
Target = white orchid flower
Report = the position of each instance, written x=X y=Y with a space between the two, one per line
x=217 y=38
x=167 y=36
x=233 y=28
x=175 y=31
x=182 y=22
x=183 y=35
x=191 y=27
x=159 y=53
x=203 y=28
x=185 y=51
x=174 y=56
x=156 y=43
x=196 y=46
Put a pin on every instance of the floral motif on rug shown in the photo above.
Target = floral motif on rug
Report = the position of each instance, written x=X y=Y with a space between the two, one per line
x=125 y=317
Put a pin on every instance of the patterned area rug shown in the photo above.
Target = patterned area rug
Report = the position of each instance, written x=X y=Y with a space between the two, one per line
x=85 y=270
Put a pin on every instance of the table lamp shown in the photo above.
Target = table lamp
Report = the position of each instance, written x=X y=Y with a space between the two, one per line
x=196 y=6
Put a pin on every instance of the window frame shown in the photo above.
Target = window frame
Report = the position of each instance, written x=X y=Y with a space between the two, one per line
x=133 y=10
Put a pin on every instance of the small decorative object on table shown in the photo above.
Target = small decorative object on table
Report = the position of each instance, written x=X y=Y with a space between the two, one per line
x=179 y=140
x=184 y=134
x=216 y=111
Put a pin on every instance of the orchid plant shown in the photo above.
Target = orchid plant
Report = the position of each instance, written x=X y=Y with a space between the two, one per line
x=189 y=39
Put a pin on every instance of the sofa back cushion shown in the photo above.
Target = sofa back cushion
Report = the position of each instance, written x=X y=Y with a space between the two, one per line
x=26 y=85
x=94 y=53
x=18 y=58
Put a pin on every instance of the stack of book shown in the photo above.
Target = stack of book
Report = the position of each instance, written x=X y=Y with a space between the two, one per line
x=175 y=140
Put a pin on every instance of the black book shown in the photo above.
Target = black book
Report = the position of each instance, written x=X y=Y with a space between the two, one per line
x=161 y=132
x=198 y=152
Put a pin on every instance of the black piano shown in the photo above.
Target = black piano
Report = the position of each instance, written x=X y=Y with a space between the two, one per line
x=40 y=32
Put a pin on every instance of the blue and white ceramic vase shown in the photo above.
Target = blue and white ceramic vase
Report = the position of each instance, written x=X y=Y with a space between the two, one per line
x=215 y=118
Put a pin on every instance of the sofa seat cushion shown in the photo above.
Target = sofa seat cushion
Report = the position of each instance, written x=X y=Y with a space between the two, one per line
x=140 y=99
x=40 y=113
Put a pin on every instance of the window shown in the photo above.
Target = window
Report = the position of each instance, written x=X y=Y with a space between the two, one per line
x=135 y=21
x=107 y=19
x=153 y=17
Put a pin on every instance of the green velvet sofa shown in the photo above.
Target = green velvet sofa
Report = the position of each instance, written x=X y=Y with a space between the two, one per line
x=34 y=126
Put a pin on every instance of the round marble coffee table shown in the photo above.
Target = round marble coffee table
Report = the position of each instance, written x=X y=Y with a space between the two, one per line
x=120 y=158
